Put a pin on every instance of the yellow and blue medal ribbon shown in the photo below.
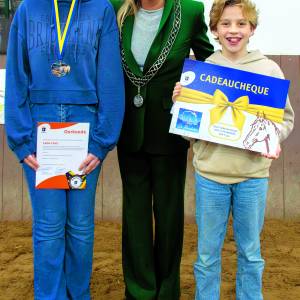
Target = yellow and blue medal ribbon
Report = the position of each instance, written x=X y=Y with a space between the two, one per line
x=61 y=38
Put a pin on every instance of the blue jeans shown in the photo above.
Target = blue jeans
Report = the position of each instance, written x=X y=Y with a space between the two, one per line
x=214 y=201
x=63 y=221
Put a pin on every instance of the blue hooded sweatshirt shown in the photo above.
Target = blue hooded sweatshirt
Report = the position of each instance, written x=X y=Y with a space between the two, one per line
x=96 y=76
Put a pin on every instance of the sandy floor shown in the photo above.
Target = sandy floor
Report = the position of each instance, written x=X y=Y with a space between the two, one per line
x=280 y=243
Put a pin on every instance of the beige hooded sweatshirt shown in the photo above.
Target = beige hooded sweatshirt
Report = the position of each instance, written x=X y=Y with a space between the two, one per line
x=229 y=165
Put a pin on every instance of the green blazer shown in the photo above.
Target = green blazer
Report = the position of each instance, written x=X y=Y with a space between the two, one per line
x=147 y=127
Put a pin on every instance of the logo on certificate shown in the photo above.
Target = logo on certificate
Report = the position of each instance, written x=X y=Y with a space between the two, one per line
x=187 y=78
x=189 y=120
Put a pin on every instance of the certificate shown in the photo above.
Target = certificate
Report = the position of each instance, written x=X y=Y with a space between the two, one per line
x=61 y=148
x=230 y=107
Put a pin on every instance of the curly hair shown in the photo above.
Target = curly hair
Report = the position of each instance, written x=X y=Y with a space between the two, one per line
x=249 y=11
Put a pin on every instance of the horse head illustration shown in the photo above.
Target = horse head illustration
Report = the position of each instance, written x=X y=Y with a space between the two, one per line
x=261 y=131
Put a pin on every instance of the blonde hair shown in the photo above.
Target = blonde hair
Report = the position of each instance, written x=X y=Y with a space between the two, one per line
x=249 y=11
x=129 y=7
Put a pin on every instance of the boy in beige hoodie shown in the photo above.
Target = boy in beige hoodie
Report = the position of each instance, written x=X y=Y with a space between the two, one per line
x=232 y=179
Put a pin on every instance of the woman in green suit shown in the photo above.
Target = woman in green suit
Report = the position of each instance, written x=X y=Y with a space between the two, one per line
x=156 y=37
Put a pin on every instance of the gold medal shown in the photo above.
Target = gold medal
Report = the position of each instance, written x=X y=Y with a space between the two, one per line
x=60 y=69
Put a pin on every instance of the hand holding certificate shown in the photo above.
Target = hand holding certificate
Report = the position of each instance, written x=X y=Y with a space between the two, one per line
x=61 y=149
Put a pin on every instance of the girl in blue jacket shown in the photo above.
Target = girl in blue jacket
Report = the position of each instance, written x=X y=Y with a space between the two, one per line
x=63 y=65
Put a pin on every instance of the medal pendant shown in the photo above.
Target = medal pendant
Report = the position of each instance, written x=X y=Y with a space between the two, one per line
x=76 y=181
x=60 y=69
x=138 y=99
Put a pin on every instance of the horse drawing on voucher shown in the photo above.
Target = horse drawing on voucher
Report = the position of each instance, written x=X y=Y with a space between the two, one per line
x=262 y=131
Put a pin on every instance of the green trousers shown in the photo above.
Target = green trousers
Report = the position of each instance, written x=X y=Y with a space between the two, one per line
x=153 y=216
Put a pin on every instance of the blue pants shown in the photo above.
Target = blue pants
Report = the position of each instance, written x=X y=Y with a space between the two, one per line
x=214 y=201
x=63 y=221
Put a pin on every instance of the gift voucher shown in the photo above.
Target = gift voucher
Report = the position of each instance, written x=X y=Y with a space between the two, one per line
x=229 y=106
x=61 y=148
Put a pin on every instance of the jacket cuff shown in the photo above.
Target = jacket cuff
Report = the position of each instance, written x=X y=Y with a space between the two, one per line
x=97 y=150
x=23 y=151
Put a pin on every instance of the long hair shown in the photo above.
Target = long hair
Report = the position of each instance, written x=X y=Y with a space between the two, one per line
x=128 y=8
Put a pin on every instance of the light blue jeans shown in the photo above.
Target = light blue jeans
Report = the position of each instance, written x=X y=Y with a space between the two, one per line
x=214 y=202
x=63 y=221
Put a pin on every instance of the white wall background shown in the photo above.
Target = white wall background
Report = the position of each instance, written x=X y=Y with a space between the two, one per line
x=278 y=29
